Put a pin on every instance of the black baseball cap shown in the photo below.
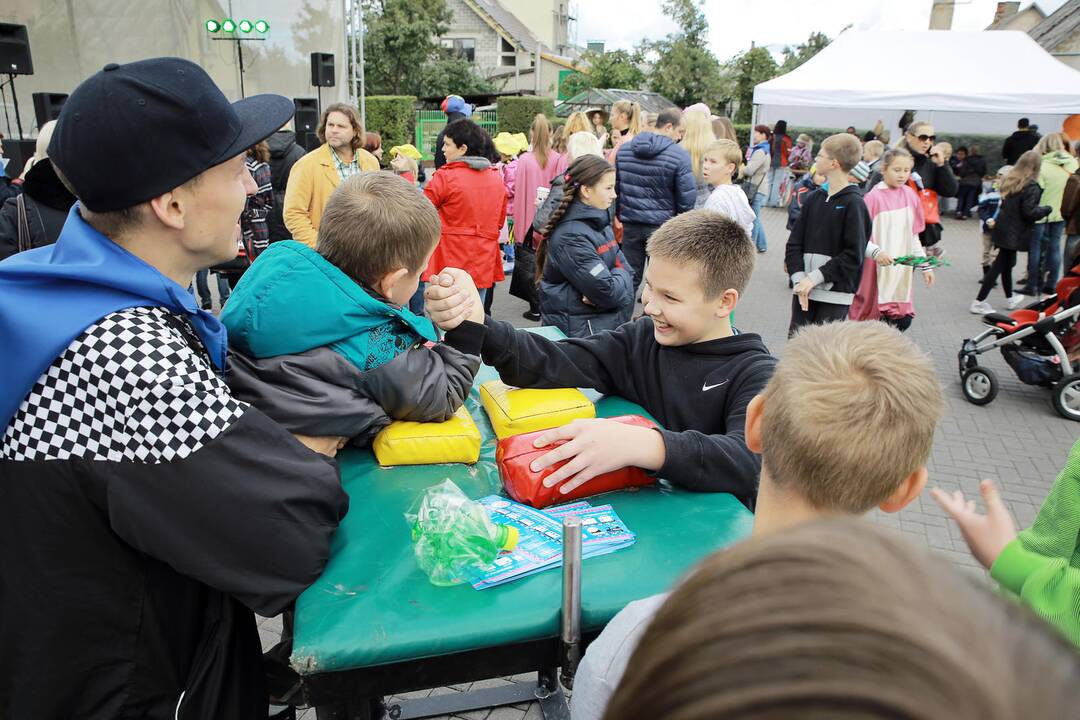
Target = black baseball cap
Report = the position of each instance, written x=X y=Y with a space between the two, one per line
x=135 y=131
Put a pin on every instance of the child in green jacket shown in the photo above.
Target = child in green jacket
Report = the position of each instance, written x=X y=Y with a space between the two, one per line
x=1040 y=565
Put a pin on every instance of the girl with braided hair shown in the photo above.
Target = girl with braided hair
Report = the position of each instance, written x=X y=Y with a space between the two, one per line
x=585 y=284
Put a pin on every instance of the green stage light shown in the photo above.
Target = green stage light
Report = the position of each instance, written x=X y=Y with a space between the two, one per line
x=212 y=26
x=262 y=26
x=228 y=25
x=245 y=26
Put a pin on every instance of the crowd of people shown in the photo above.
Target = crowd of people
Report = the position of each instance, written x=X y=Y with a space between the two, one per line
x=170 y=471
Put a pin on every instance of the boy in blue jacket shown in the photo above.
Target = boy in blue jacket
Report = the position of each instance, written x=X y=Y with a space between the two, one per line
x=322 y=339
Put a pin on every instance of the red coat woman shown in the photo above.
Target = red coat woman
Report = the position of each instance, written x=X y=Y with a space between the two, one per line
x=469 y=193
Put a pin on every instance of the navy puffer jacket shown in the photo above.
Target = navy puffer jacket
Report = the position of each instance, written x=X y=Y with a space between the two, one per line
x=655 y=181
x=584 y=261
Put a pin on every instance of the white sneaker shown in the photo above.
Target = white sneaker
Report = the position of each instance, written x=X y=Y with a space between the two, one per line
x=1014 y=302
x=981 y=307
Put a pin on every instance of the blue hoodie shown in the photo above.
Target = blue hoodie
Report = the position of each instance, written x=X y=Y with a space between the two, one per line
x=292 y=300
x=655 y=180
x=50 y=295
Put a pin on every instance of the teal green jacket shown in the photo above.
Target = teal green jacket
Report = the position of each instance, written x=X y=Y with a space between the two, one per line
x=1042 y=566
x=293 y=300
x=319 y=354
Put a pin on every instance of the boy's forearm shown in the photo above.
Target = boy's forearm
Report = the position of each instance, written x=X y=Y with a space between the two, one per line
x=710 y=463
x=526 y=359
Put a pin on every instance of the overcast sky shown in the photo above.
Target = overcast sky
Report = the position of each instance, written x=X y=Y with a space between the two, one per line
x=733 y=24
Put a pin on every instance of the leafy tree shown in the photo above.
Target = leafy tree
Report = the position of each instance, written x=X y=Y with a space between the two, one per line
x=615 y=69
x=449 y=74
x=748 y=70
x=683 y=69
x=401 y=38
x=796 y=56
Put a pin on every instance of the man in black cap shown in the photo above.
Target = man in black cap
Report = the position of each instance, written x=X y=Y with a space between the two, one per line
x=146 y=511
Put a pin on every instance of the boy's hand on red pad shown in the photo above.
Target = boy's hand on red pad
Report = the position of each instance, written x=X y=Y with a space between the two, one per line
x=594 y=447
x=451 y=298
x=986 y=535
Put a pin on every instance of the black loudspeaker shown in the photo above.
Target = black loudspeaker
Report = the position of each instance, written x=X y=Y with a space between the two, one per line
x=17 y=153
x=308 y=141
x=47 y=106
x=15 y=50
x=322 y=69
x=305 y=115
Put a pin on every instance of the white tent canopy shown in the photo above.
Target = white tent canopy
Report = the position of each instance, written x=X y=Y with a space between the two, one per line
x=978 y=82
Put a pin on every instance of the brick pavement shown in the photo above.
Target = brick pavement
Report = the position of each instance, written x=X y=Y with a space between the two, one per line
x=1018 y=439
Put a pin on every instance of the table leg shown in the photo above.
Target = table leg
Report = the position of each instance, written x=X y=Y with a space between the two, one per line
x=549 y=694
x=570 y=633
x=357 y=710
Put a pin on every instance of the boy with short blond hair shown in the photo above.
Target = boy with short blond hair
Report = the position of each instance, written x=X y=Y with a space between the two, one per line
x=682 y=361
x=825 y=250
x=844 y=425
x=321 y=340
x=718 y=165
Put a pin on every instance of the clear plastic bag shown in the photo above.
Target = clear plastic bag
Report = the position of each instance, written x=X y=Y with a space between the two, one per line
x=453 y=537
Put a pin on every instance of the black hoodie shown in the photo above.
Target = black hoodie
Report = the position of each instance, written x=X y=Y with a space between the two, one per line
x=697 y=392
x=284 y=152
x=47 y=205
x=827 y=244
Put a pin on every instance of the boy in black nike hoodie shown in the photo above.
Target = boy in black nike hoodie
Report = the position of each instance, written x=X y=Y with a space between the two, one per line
x=683 y=362
x=824 y=252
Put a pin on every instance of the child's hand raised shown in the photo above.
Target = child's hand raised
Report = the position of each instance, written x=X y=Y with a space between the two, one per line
x=451 y=298
x=986 y=535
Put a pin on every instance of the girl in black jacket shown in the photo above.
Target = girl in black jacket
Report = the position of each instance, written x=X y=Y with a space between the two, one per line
x=584 y=279
x=1012 y=228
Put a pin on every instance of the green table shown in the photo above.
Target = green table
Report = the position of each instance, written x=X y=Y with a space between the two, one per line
x=374 y=625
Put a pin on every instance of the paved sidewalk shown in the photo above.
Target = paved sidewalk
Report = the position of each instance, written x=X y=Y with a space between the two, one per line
x=1018 y=440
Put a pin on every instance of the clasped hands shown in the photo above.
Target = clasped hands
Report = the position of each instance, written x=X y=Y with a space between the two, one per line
x=590 y=447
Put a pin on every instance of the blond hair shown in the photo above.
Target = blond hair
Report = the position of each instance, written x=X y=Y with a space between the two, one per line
x=577 y=122
x=723 y=129
x=844 y=148
x=845 y=620
x=873 y=149
x=633 y=113
x=1051 y=143
x=375 y=223
x=697 y=138
x=727 y=150
x=540 y=136
x=849 y=413
x=581 y=144
x=1027 y=169
x=714 y=243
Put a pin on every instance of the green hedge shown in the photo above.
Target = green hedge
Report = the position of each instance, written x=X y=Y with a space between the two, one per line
x=989 y=145
x=392 y=116
x=516 y=113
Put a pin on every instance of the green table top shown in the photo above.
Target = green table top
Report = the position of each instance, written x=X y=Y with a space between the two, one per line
x=374 y=606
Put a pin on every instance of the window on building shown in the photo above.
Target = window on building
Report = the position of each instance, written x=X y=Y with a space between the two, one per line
x=506 y=46
x=462 y=47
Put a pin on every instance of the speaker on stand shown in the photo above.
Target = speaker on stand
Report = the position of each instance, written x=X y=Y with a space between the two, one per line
x=47 y=106
x=322 y=72
x=14 y=60
x=306 y=122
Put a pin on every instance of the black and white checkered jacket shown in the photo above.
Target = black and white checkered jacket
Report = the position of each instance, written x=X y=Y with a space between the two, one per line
x=147 y=514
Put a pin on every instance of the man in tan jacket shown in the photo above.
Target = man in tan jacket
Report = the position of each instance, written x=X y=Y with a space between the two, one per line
x=316 y=175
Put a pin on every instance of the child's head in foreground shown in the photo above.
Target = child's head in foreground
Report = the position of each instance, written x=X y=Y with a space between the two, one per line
x=380 y=232
x=839 y=152
x=847 y=421
x=720 y=162
x=845 y=620
x=896 y=165
x=699 y=266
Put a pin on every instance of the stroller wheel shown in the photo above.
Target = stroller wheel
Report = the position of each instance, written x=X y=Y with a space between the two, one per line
x=980 y=385
x=1066 y=397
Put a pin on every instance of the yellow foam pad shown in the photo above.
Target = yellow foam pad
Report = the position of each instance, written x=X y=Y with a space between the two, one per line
x=514 y=411
x=414 y=443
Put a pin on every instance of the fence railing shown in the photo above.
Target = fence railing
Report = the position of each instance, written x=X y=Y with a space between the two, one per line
x=430 y=122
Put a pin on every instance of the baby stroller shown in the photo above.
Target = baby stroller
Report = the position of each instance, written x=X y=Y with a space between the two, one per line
x=1037 y=343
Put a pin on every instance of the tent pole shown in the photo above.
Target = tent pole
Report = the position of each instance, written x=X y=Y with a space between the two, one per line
x=753 y=118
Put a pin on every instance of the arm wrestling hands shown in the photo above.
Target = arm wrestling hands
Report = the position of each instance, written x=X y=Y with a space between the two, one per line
x=591 y=447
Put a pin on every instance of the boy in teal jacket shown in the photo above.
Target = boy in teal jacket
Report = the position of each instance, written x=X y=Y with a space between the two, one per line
x=1040 y=565
x=322 y=340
